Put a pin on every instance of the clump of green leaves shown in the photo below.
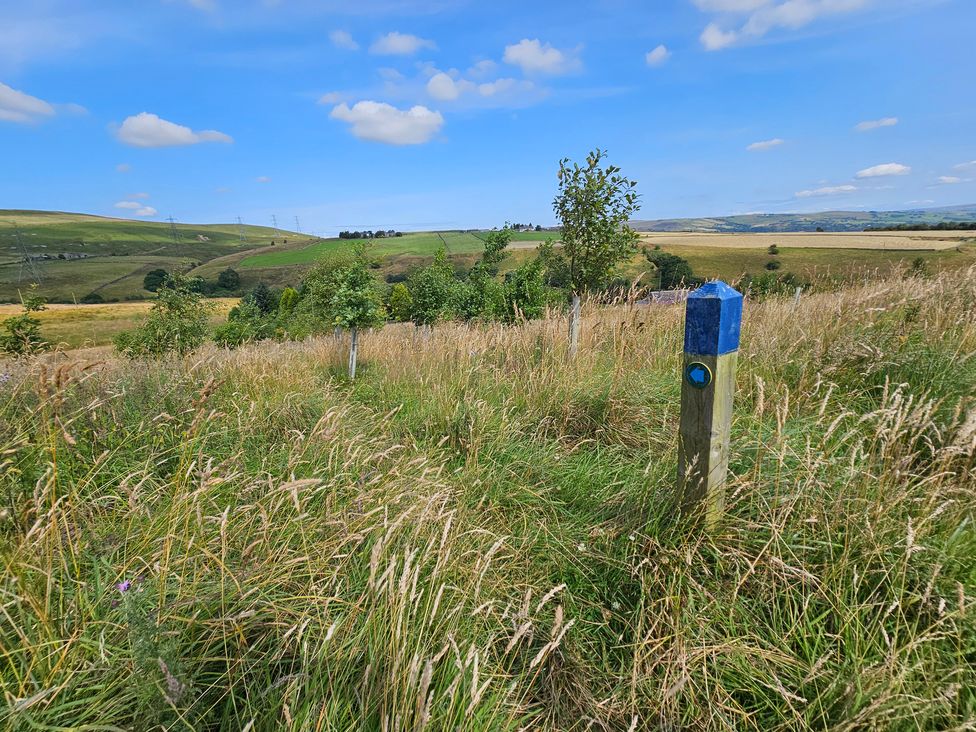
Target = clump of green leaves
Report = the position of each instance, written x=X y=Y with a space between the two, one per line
x=594 y=204
x=400 y=302
x=22 y=333
x=245 y=324
x=673 y=271
x=436 y=292
x=177 y=323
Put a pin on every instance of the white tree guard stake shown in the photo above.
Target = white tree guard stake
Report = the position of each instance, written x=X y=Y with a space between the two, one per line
x=713 y=318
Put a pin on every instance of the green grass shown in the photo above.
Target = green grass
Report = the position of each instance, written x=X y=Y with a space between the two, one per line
x=479 y=534
x=421 y=245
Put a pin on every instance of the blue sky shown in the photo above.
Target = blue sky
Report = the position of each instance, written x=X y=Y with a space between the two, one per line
x=414 y=114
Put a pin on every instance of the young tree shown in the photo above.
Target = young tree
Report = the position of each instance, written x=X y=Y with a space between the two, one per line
x=228 y=279
x=594 y=205
x=673 y=271
x=288 y=300
x=346 y=293
x=401 y=303
x=263 y=298
x=177 y=323
x=436 y=291
x=484 y=294
x=154 y=279
x=23 y=332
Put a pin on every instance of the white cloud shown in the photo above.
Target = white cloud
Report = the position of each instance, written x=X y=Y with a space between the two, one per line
x=263 y=179
x=880 y=171
x=149 y=130
x=714 y=38
x=764 y=145
x=873 y=124
x=342 y=39
x=16 y=106
x=389 y=74
x=949 y=180
x=483 y=69
x=444 y=88
x=502 y=86
x=123 y=168
x=826 y=191
x=330 y=98
x=534 y=57
x=137 y=208
x=400 y=44
x=971 y=165
x=658 y=56
x=381 y=122
x=756 y=18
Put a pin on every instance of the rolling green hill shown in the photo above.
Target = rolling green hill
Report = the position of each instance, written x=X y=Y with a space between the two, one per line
x=71 y=255
x=826 y=220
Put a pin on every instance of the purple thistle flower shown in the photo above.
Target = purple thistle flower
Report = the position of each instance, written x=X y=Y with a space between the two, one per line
x=4 y=378
x=123 y=586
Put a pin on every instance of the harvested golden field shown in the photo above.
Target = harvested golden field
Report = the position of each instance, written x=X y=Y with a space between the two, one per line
x=891 y=240
x=76 y=326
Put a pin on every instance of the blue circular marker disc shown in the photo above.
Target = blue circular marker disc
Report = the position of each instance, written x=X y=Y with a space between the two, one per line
x=698 y=375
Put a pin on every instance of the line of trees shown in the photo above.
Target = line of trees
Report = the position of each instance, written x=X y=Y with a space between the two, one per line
x=941 y=226
x=381 y=234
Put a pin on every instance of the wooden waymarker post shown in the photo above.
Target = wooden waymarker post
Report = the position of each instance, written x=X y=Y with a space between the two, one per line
x=713 y=317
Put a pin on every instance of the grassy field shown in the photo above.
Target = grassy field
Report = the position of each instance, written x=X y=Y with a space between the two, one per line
x=730 y=263
x=882 y=240
x=117 y=252
x=410 y=245
x=82 y=326
x=479 y=534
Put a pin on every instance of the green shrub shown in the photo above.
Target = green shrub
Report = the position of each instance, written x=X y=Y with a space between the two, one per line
x=154 y=279
x=177 y=323
x=22 y=333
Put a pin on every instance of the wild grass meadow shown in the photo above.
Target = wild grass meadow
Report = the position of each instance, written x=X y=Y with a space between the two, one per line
x=479 y=534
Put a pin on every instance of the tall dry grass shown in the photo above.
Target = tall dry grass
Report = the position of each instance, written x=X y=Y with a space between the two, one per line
x=478 y=533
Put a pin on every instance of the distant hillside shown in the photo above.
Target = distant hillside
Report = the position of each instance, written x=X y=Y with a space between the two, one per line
x=71 y=255
x=826 y=220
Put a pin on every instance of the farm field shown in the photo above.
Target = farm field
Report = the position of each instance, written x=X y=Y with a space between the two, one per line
x=480 y=533
x=83 y=326
x=883 y=240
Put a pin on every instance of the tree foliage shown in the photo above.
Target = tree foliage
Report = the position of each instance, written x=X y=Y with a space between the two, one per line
x=343 y=292
x=594 y=204
x=673 y=271
x=436 y=292
x=177 y=323
x=154 y=279
x=21 y=333
x=229 y=279
x=401 y=302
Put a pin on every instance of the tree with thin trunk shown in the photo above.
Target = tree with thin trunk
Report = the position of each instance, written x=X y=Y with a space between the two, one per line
x=594 y=204
x=347 y=295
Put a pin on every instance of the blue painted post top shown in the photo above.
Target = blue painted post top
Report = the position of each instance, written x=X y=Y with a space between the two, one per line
x=713 y=317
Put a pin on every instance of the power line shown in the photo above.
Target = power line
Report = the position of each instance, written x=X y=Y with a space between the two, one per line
x=240 y=230
x=298 y=226
x=274 y=220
